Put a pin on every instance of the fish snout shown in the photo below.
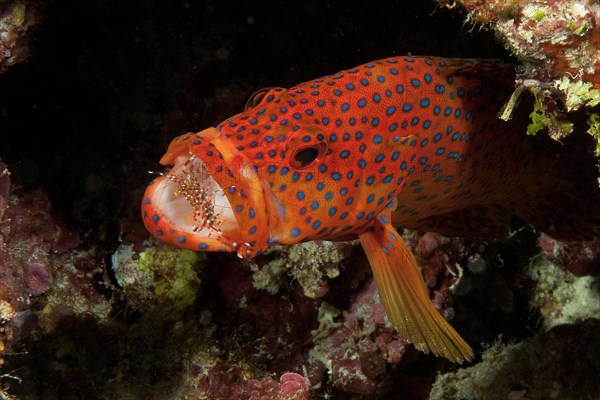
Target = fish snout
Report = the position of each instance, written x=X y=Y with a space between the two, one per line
x=210 y=200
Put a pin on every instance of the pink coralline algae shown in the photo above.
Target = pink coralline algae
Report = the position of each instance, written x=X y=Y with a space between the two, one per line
x=357 y=347
x=439 y=258
x=37 y=278
x=580 y=258
x=291 y=386
x=31 y=218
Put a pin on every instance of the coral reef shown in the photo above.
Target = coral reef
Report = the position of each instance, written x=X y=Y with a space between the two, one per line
x=559 y=364
x=558 y=43
x=319 y=316
x=52 y=290
x=236 y=330
x=291 y=386
x=580 y=258
x=542 y=366
x=560 y=296
x=563 y=33
x=355 y=348
x=34 y=245
x=309 y=263
x=17 y=20
x=91 y=308
x=159 y=277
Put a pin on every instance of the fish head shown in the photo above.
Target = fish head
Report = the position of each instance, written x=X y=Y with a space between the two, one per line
x=279 y=172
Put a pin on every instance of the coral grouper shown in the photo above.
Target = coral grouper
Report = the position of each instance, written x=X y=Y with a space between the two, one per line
x=406 y=142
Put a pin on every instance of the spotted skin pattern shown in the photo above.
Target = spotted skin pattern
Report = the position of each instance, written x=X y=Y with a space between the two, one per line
x=409 y=142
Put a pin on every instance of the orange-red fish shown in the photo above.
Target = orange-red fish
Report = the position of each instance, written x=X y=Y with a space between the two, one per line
x=408 y=142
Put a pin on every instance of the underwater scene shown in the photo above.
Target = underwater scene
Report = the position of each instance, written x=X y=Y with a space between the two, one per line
x=265 y=200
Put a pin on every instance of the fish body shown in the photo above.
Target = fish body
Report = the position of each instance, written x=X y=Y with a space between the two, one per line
x=411 y=142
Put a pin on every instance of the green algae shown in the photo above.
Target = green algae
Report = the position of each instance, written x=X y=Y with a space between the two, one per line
x=578 y=93
x=172 y=273
x=537 y=119
x=540 y=117
x=557 y=126
x=594 y=129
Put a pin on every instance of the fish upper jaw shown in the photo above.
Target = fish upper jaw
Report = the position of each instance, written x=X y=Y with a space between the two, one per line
x=211 y=200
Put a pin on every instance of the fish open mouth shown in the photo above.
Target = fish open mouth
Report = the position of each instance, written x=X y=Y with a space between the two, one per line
x=193 y=207
x=194 y=201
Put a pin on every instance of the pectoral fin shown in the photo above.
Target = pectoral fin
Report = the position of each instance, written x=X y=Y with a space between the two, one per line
x=404 y=295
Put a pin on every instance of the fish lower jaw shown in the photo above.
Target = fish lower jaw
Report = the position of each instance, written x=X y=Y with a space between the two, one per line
x=192 y=208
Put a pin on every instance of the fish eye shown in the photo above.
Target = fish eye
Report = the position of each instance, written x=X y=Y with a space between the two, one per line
x=256 y=98
x=304 y=157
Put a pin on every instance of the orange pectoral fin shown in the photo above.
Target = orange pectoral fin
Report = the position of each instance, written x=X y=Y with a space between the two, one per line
x=404 y=295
